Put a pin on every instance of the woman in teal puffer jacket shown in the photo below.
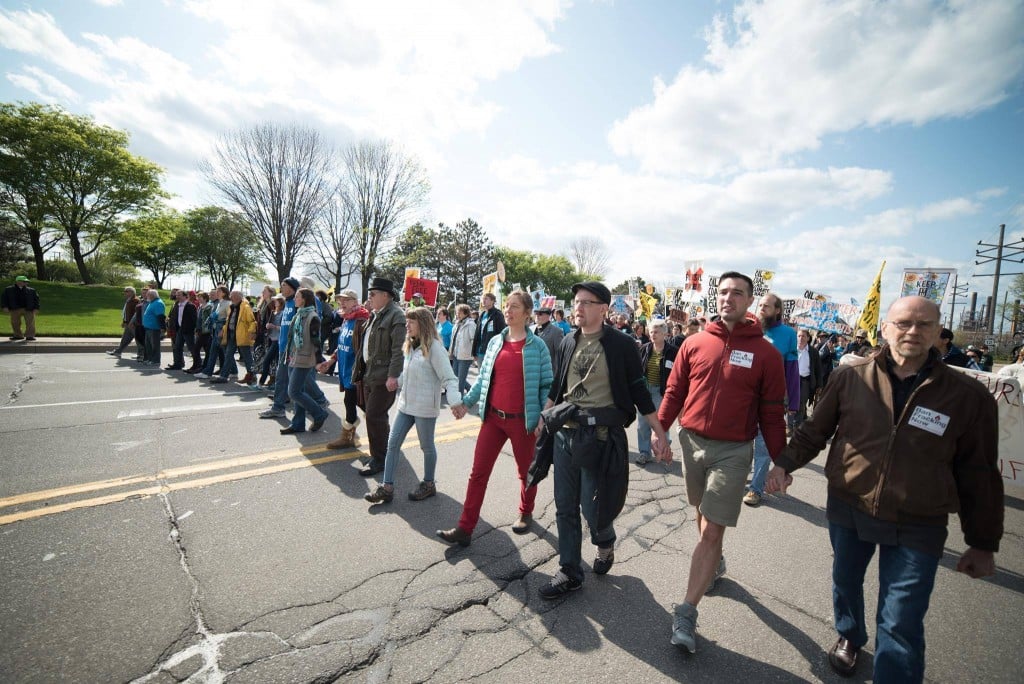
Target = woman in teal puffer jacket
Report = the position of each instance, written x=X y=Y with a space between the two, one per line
x=512 y=386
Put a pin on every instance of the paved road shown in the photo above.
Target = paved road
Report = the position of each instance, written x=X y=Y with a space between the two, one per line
x=153 y=529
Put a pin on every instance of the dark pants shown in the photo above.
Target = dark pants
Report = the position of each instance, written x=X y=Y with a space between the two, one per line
x=806 y=395
x=182 y=340
x=379 y=401
x=126 y=337
x=153 y=338
x=350 y=405
x=905 y=581
x=270 y=355
x=575 y=490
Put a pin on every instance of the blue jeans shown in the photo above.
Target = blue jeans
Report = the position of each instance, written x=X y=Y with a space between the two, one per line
x=215 y=351
x=762 y=462
x=575 y=488
x=643 y=428
x=424 y=431
x=230 y=367
x=298 y=390
x=905 y=581
x=281 y=383
x=461 y=369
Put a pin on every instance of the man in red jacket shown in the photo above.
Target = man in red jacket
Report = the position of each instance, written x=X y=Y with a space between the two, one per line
x=726 y=381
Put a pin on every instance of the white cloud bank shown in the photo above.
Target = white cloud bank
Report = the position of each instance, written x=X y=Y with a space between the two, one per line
x=779 y=76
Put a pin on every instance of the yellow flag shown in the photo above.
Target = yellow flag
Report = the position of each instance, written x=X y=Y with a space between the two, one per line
x=872 y=304
x=647 y=303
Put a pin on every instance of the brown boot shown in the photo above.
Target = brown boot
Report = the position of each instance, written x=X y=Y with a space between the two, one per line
x=247 y=380
x=348 y=437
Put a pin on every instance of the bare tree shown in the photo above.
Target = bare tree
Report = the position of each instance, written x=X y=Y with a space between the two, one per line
x=333 y=242
x=590 y=256
x=280 y=178
x=386 y=189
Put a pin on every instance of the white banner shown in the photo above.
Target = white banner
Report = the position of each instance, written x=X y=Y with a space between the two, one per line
x=1007 y=393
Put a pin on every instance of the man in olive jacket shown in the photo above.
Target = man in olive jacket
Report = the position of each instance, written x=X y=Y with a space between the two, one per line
x=913 y=442
x=378 y=367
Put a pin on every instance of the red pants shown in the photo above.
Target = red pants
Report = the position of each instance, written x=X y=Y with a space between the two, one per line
x=494 y=432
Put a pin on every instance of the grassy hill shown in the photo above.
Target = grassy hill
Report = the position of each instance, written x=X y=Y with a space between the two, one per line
x=69 y=310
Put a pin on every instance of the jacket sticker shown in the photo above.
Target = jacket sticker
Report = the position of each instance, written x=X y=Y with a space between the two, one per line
x=741 y=358
x=668 y=364
x=930 y=421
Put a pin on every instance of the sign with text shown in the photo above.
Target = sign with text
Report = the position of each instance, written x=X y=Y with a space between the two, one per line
x=928 y=283
x=1006 y=391
x=421 y=286
x=831 y=317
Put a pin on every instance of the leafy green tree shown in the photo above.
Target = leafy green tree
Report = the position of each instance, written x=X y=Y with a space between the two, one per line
x=154 y=241
x=554 y=273
x=417 y=246
x=222 y=244
x=67 y=168
x=468 y=255
x=12 y=250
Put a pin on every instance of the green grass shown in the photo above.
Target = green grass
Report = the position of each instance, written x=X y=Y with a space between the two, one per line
x=69 y=310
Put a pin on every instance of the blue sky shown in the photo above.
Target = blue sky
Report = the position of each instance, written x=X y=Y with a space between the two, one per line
x=814 y=138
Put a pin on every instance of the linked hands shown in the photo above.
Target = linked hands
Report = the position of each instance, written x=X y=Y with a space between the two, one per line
x=778 y=480
x=459 y=411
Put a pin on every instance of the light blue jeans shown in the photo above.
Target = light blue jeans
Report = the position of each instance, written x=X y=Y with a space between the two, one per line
x=399 y=429
x=461 y=369
x=643 y=428
x=762 y=462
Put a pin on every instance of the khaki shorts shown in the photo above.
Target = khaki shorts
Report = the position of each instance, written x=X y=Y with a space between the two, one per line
x=716 y=475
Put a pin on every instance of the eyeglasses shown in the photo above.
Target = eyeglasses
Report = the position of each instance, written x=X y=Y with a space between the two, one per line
x=904 y=326
x=585 y=302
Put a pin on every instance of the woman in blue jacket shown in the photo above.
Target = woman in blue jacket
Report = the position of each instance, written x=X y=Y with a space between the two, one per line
x=512 y=386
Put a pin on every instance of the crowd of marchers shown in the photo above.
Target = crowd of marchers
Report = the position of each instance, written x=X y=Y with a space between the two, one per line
x=909 y=440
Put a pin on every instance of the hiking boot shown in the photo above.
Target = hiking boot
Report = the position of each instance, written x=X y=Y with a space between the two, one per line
x=559 y=585
x=718 y=575
x=752 y=498
x=380 y=495
x=644 y=458
x=456 y=535
x=604 y=560
x=424 y=491
x=684 y=627
x=522 y=526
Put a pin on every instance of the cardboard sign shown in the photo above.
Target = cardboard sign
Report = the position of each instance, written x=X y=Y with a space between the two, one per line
x=427 y=288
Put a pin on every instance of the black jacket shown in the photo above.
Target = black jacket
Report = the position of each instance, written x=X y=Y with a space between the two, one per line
x=189 y=319
x=495 y=324
x=815 y=363
x=15 y=297
x=668 y=353
x=629 y=388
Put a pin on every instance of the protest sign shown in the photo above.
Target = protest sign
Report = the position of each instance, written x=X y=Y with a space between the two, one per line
x=928 y=283
x=422 y=286
x=831 y=317
x=1006 y=391
x=762 y=282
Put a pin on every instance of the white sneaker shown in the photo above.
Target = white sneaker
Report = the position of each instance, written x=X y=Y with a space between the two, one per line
x=202 y=376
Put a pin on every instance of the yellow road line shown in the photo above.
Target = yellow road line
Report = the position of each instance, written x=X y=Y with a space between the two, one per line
x=172 y=473
x=152 y=490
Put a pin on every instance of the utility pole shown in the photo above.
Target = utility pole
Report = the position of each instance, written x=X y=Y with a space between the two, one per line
x=958 y=291
x=1016 y=249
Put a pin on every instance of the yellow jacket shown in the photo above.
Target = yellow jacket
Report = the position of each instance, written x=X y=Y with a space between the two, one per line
x=245 y=329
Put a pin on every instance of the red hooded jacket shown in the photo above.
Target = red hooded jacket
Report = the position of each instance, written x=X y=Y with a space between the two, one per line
x=726 y=384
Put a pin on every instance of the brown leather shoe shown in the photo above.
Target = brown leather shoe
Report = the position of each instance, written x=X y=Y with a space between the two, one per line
x=522 y=526
x=456 y=535
x=843 y=657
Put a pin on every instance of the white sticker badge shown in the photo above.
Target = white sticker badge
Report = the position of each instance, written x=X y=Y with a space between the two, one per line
x=930 y=421
x=668 y=363
x=741 y=358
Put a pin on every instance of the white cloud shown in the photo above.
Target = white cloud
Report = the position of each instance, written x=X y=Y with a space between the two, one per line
x=44 y=86
x=947 y=210
x=780 y=76
x=519 y=170
x=37 y=34
x=989 y=193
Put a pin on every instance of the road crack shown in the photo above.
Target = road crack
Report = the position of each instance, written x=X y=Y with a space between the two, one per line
x=19 y=386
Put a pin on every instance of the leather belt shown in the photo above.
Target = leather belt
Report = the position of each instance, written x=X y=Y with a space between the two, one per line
x=506 y=416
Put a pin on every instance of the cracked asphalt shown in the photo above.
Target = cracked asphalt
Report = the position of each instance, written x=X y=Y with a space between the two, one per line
x=230 y=571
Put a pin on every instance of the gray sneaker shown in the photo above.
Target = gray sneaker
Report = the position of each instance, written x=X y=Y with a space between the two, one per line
x=272 y=413
x=644 y=458
x=718 y=575
x=684 y=627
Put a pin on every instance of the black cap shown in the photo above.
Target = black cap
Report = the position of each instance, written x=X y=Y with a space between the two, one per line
x=595 y=288
x=292 y=283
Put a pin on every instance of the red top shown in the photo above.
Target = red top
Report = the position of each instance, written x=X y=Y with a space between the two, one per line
x=507 y=390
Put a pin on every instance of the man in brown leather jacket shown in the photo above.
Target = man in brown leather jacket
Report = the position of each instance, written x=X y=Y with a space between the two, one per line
x=913 y=442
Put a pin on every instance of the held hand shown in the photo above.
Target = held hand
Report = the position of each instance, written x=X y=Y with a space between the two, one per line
x=778 y=481
x=459 y=411
x=977 y=563
x=539 y=429
x=322 y=367
x=661 y=448
x=392 y=384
